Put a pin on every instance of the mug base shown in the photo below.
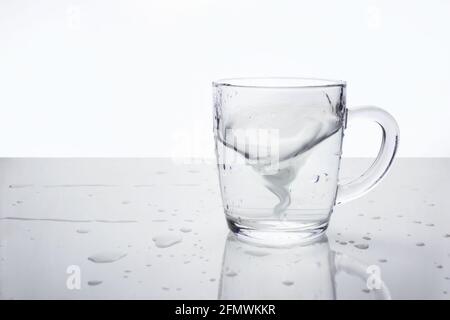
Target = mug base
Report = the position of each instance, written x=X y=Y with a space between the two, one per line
x=264 y=234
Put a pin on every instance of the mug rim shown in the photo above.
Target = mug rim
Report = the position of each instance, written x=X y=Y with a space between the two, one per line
x=278 y=82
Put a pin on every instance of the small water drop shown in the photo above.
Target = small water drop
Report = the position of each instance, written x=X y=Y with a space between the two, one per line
x=107 y=257
x=185 y=230
x=166 y=240
x=376 y=218
x=315 y=179
x=367 y=238
x=382 y=260
x=366 y=290
x=126 y=202
x=362 y=246
x=94 y=282
x=420 y=244
x=231 y=274
x=212 y=279
x=256 y=253
x=288 y=283
x=83 y=231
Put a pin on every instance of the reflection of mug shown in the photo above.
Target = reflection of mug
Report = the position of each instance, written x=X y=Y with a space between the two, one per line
x=278 y=147
x=297 y=272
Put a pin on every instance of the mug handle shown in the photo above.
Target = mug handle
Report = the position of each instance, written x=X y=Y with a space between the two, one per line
x=389 y=144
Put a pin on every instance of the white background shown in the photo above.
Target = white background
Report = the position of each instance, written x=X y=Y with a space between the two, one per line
x=130 y=78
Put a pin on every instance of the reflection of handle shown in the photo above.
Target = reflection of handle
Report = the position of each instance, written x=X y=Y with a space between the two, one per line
x=365 y=273
x=389 y=144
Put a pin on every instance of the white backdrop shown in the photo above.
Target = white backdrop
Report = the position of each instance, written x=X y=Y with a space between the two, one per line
x=129 y=78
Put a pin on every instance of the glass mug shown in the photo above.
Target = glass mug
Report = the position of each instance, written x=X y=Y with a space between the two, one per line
x=278 y=147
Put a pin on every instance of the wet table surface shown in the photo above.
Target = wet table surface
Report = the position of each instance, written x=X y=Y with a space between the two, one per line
x=155 y=229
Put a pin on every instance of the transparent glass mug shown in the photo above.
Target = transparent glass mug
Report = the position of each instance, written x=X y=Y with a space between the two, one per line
x=278 y=147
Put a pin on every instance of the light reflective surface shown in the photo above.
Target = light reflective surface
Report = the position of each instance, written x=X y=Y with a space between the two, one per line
x=155 y=229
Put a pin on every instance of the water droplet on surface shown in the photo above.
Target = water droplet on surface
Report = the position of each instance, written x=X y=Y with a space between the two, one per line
x=83 y=231
x=440 y=266
x=94 y=282
x=420 y=244
x=165 y=288
x=362 y=246
x=256 y=253
x=417 y=222
x=231 y=274
x=447 y=235
x=126 y=202
x=166 y=240
x=185 y=230
x=288 y=283
x=18 y=186
x=107 y=257
x=367 y=238
x=343 y=243
x=315 y=179
x=376 y=218
x=382 y=260
x=212 y=279
x=366 y=290
x=430 y=225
